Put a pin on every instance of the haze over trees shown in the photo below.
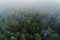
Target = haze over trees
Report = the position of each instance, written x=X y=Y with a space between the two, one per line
x=28 y=25
x=29 y=20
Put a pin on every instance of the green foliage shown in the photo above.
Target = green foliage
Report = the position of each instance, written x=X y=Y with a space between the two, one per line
x=23 y=37
x=37 y=36
x=26 y=27
x=2 y=37
x=13 y=38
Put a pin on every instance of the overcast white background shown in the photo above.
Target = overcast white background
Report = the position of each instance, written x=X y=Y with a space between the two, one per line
x=29 y=1
x=44 y=5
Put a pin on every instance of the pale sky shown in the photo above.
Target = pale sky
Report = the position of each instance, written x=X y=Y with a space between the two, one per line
x=44 y=5
x=28 y=1
x=49 y=4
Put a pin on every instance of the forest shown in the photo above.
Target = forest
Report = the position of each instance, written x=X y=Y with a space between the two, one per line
x=29 y=25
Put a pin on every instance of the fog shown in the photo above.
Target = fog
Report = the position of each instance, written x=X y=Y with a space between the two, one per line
x=38 y=5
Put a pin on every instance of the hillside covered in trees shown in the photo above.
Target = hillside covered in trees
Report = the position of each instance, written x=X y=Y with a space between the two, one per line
x=29 y=25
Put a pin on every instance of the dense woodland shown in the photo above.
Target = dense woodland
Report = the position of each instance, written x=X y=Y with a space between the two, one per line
x=29 y=26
